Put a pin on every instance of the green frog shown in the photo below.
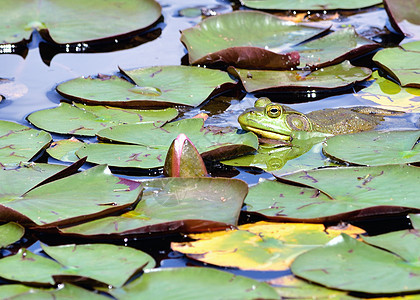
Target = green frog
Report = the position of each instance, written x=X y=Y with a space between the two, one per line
x=278 y=122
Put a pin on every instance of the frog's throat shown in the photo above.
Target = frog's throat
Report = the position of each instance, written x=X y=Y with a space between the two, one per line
x=267 y=134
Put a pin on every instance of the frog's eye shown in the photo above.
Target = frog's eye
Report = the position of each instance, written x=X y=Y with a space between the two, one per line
x=298 y=122
x=262 y=102
x=273 y=110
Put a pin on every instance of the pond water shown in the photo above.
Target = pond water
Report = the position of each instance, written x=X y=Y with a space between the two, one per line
x=36 y=80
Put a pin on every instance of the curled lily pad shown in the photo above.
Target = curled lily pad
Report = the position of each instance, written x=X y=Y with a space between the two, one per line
x=404 y=16
x=19 y=143
x=172 y=205
x=348 y=264
x=75 y=22
x=10 y=233
x=261 y=246
x=79 y=119
x=337 y=76
x=246 y=39
x=308 y=5
x=160 y=86
x=375 y=148
x=402 y=63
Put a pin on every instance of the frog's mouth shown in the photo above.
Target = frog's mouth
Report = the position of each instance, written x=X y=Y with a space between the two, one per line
x=267 y=133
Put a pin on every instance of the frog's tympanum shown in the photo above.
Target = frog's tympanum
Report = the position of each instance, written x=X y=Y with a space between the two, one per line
x=274 y=121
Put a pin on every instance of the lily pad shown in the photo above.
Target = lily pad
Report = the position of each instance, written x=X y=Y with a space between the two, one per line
x=79 y=119
x=10 y=233
x=404 y=16
x=19 y=143
x=333 y=77
x=193 y=283
x=109 y=264
x=65 y=150
x=415 y=221
x=159 y=86
x=261 y=246
x=405 y=68
x=355 y=192
x=375 y=148
x=308 y=5
x=75 y=22
x=173 y=205
x=348 y=264
x=246 y=39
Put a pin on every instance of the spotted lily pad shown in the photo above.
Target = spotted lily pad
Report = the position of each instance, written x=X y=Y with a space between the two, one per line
x=75 y=22
x=193 y=283
x=261 y=246
x=348 y=264
x=109 y=264
x=334 y=194
x=10 y=233
x=404 y=69
x=404 y=16
x=86 y=120
x=160 y=86
x=245 y=39
x=308 y=5
x=333 y=77
x=19 y=143
x=375 y=148
x=172 y=205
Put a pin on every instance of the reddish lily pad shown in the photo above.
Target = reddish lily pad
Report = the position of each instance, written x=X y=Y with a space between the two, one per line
x=159 y=86
x=308 y=5
x=404 y=16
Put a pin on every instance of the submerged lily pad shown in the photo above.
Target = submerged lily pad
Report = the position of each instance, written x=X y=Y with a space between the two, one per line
x=109 y=264
x=308 y=5
x=193 y=283
x=404 y=16
x=159 y=86
x=11 y=90
x=246 y=39
x=19 y=143
x=79 y=119
x=405 y=68
x=337 y=76
x=10 y=233
x=261 y=246
x=173 y=205
x=354 y=193
x=76 y=21
x=375 y=148
x=348 y=264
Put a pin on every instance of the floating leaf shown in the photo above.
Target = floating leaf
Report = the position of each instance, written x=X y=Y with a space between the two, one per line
x=261 y=246
x=405 y=68
x=173 y=205
x=193 y=283
x=309 y=5
x=348 y=264
x=65 y=150
x=337 y=76
x=160 y=86
x=246 y=39
x=404 y=16
x=375 y=147
x=79 y=119
x=10 y=233
x=80 y=21
x=19 y=143
x=415 y=221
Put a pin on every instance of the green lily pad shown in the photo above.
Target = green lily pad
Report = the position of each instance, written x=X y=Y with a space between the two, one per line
x=348 y=264
x=172 y=205
x=405 y=68
x=75 y=22
x=109 y=264
x=308 y=5
x=160 y=86
x=79 y=119
x=65 y=150
x=10 y=233
x=71 y=199
x=246 y=39
x=333 y=77
x=336 y=194
x=19 y=143
x=375 y=148
x=391 y=95
x=404 y=16
x=415 y=221
x=193 y=283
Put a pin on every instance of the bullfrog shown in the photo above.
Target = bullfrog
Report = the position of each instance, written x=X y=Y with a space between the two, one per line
x=278 y=122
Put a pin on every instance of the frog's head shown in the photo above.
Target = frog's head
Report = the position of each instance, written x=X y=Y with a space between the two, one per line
x=273 y=121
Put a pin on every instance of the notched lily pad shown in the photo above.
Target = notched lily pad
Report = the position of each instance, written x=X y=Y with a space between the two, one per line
x=308 y=5
x=159 y=86
x=10 y=233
